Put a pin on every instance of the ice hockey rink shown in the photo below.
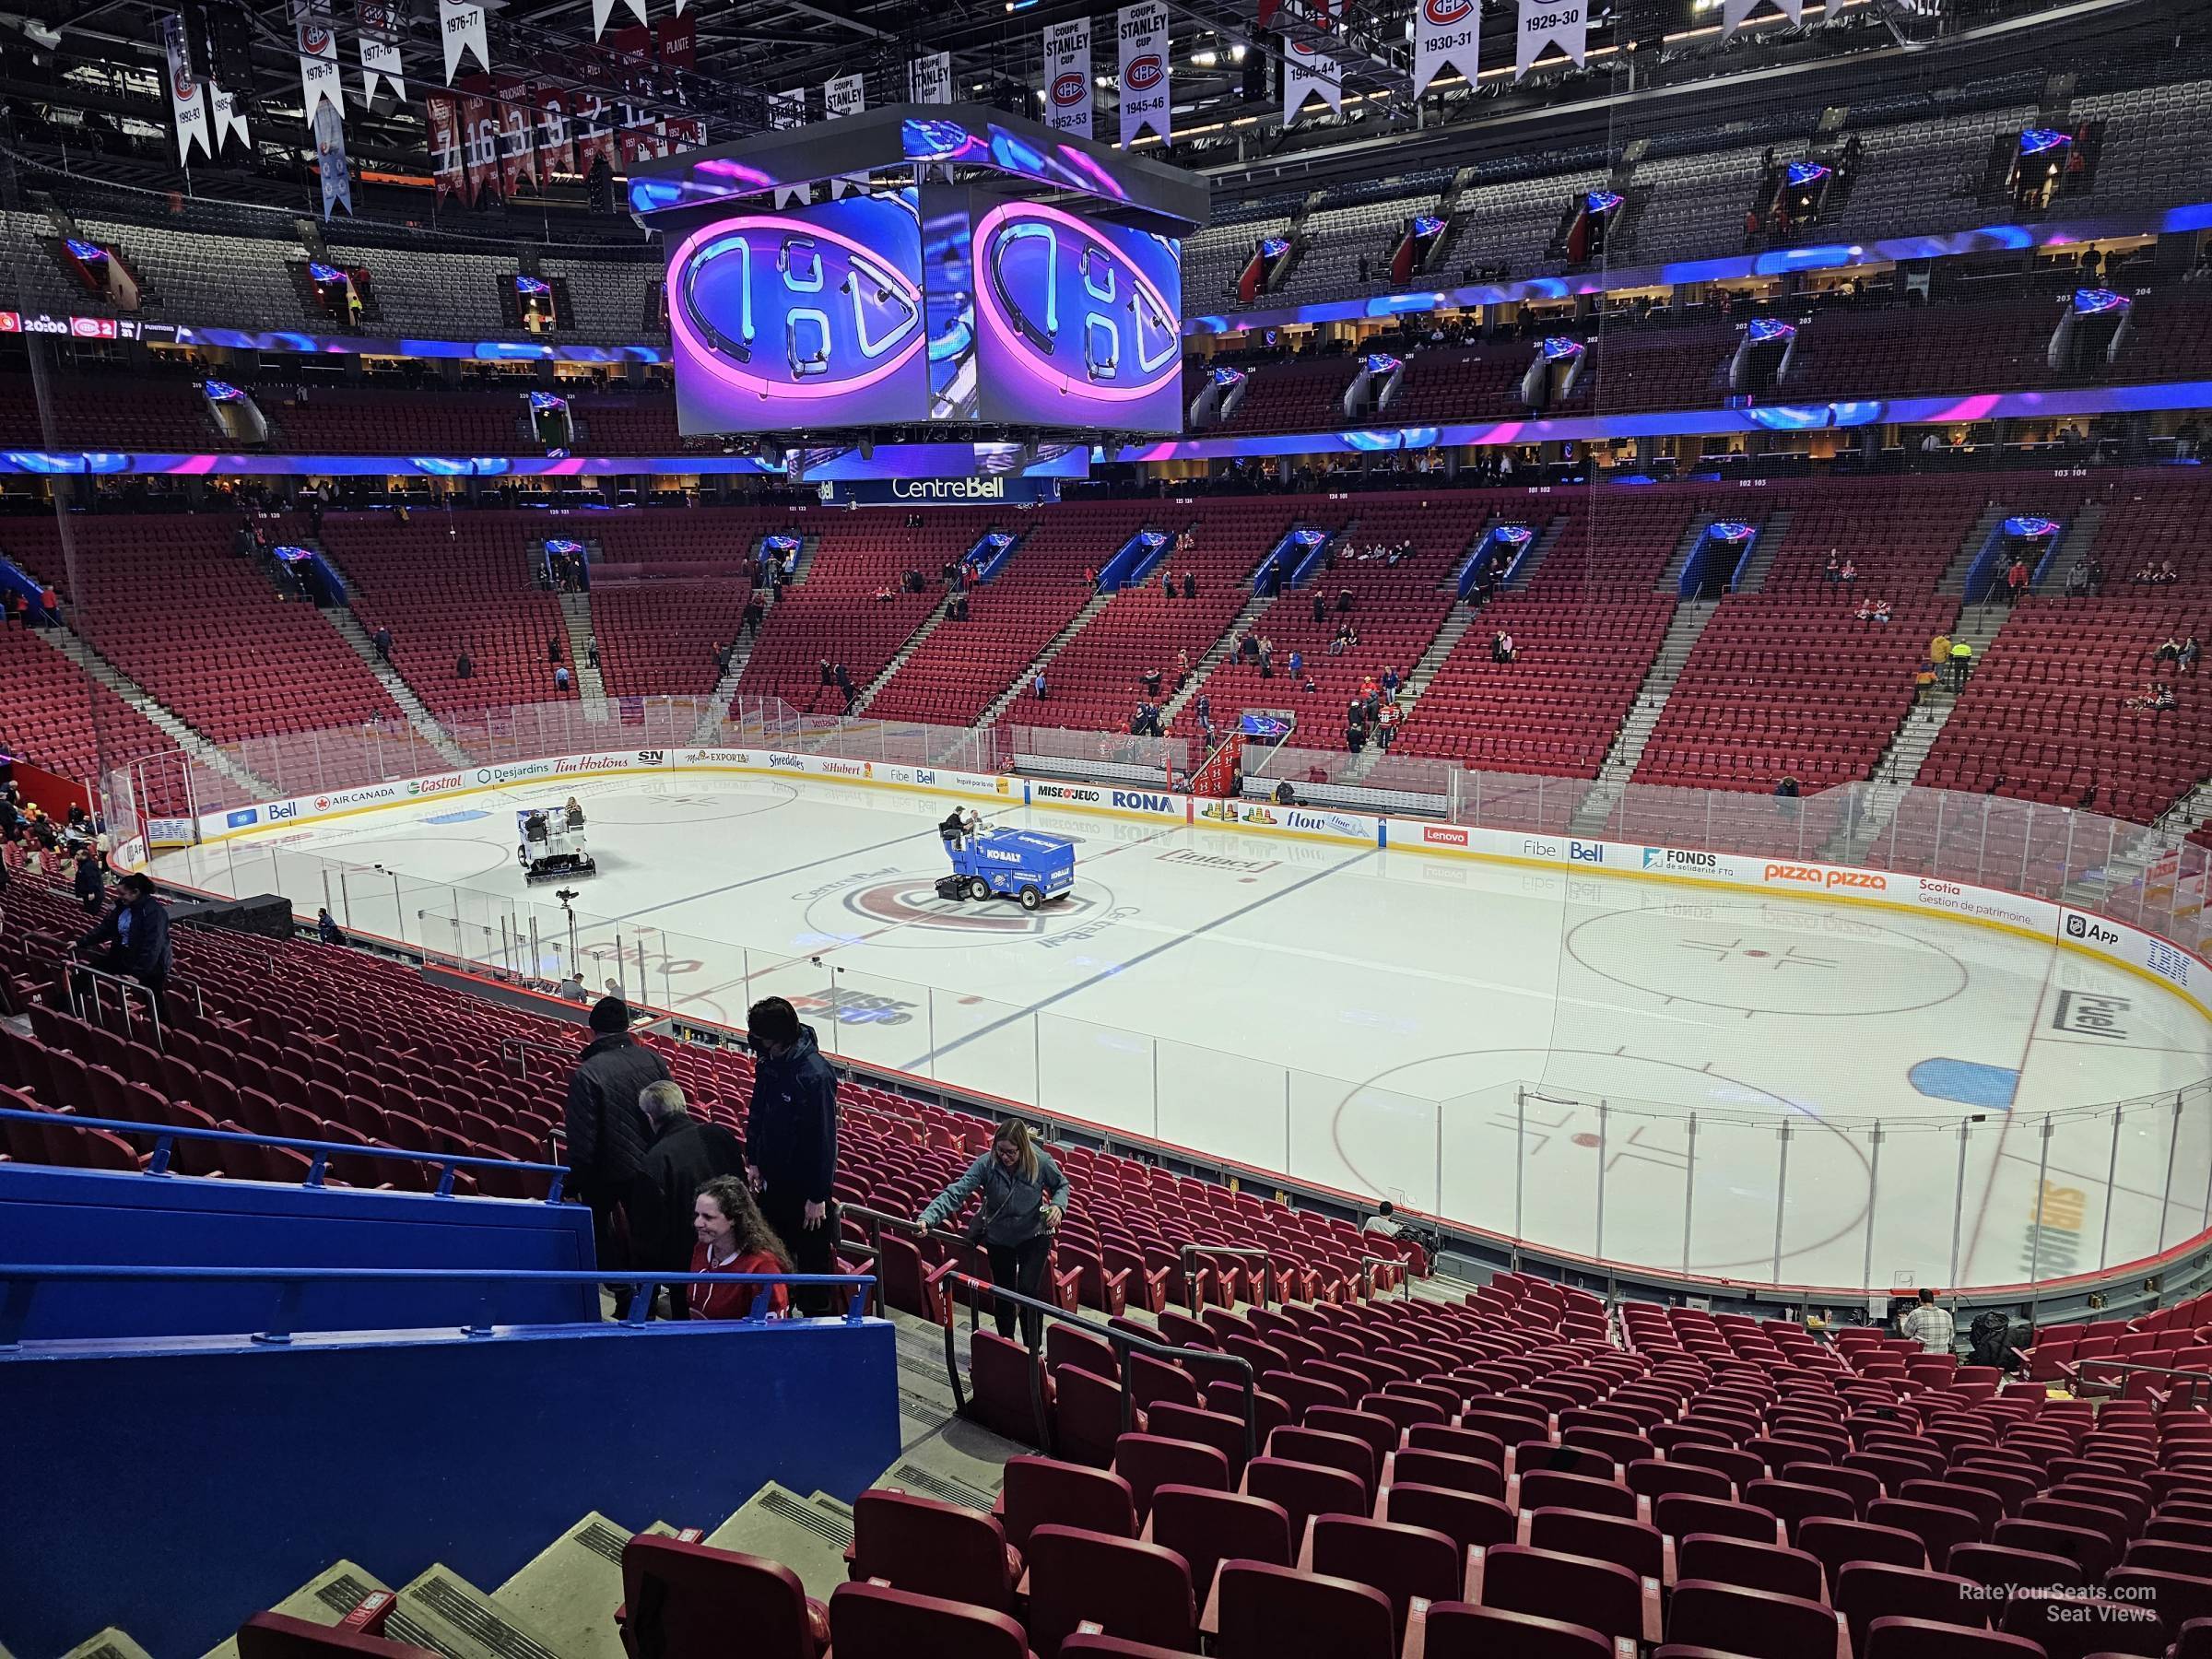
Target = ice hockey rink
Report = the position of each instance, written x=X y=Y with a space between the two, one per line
x=1682 y=1077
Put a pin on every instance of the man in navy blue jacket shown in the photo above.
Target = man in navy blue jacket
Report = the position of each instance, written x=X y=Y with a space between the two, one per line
x=790 y=1143
x=136 y=935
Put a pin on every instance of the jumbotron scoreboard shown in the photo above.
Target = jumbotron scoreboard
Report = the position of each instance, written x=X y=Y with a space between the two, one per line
x=985 y=273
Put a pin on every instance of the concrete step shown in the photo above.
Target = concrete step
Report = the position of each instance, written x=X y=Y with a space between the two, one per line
x=324 y=1599
x=443 y=1611
x=350 y=628
x=109 y=1644
x=777 y=1523
x=201 y=748
x=1004 y=700
x=899 y=657
x=576 y=622
x=1214 y=655
x=570 y=1590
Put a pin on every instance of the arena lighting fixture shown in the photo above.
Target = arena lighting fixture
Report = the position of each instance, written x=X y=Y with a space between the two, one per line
x=2031 y=529
x=1207 y=59
x=2087 y=303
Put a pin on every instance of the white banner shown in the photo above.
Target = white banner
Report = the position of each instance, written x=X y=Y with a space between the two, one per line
x=845 y=94
x=228 y=116
x=187 y=99
x=461 y=24
x=321 y=80
x=1308 y=72
x=929 y=79
x=1067 y=76
x=380 y=50
x=1734 y=12
x=1563 y=23
x=602 y=8
x=1144 y=78
x=1447 y=34
x=785 y=111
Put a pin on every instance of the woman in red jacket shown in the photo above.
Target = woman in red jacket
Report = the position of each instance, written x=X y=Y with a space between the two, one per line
x=732 y=1238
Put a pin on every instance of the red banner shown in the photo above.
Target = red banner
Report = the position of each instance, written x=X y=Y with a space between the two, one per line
x=555 y=150
x=594 y=130
x=676 y=41
x=441 y=119
x=480 y=145
x=518 y=147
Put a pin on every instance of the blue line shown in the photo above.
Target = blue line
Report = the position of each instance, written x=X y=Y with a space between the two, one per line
x=1142 y=957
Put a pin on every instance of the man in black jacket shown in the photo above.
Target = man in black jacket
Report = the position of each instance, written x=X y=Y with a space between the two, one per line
x=685 y=1155
x=136 y=935
x=606 y=1127
x=790 y=1143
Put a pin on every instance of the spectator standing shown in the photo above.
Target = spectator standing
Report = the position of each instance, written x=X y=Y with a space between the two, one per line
x=606 y=1132
x=1024 y=1196
x=383 y=644
x=683 y=1157
x=1189 y=586
x=729 y=1235
x=790 y=1140
x=465 y=666
x=553 y=648
x=560 y=678
x=136 y=935
x=2016 y=582
x=327 y=928
x=1038 y=685
x=1931 y=1326
x=88 y=883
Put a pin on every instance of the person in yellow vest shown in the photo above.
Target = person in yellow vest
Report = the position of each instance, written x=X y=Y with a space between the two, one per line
x=1963 y=659
x=1939 y=649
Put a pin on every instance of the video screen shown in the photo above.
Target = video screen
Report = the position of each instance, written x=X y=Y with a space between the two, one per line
x=1079 y=322
x=801 y=319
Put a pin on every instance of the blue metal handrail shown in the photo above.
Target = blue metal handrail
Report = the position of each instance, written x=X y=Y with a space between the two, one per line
x=23 y=1280
x=165 y=1135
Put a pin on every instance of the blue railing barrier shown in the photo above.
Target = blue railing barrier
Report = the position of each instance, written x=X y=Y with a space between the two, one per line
x=165 y=1135
x=21 y=1281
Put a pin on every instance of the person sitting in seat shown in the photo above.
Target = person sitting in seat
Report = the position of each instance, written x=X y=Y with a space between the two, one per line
x=575 y=813
x=534 y=827
x=734 y=1237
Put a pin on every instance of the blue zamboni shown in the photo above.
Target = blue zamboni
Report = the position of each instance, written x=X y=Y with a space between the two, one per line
x=1005 y=863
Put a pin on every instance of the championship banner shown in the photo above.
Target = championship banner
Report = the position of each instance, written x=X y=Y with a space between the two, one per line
x=379 y=49
x=1447 y=34
x=187 y=98
x=1068 y=77
x=461 y=24
x=441 y=122
x=1309 y=72
x=594 y=123
x=1562 y=23
x=676 y=41
x=518 y=148
x=785 y=111
x=845 y=94
x=228 y=116
x=1144 y=78
x=556 y=153
x=1735 y=12
x=480 y=145
x=330 y=159
x=686 y=132
x=603 y=9
x=320 y=77
x=929 y=79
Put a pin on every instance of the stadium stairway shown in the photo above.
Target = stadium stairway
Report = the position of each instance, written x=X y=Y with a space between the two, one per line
x=1416 y=681
x=898 y=657
x=66 y=640
x=1955 y=574
x=1688 y=622
x=576 y=622
x=419 y=717
x=1042 y=660
x=1254 y=608
x=1774 y=531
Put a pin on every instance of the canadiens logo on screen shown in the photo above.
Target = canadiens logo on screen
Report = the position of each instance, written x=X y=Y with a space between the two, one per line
x=1145 y=72
x=1067 y=91
x=1071 y=307
x=1444 y=14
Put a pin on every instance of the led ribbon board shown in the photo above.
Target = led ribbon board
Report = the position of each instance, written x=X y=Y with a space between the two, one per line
x=800 y=320
x=1079 y=322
